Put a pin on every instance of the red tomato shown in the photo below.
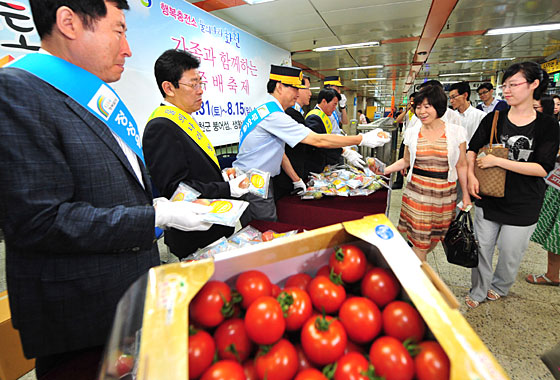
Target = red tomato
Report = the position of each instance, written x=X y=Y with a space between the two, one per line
x=352 y=366
x=310 y=374
x=391 y=359
x=299 y=307
x=251 y=285
x=325 y=294
x=224 y=370
x=299 y=280
x=125 y=364
x=349 y=262
x=211 y=304
x=432 y=362
x=303 y=360
x=403 y=321
x=381 y=286
x=323 y=271
x=250 y=370
x=323 y=339
x=232 y=340
x=280 y=362
x=361 y=318
x=264 y=321
x=201 y=352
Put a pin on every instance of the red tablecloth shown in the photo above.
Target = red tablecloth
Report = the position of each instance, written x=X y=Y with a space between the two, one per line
x=322 y=212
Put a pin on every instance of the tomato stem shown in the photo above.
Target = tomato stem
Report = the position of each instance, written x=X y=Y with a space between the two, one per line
x=192 y=330
x=412 y=347
x=329 y=370
x=285 y=300
x=336 y=278
x=339 y=254
x=232 y=349
x=321 y=323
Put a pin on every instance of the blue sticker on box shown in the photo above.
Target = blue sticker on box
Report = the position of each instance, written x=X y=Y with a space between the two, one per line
x=384 y=232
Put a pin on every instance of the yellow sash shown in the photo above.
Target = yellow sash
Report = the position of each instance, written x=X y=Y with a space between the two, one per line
x=326 y=120
x=189 y=125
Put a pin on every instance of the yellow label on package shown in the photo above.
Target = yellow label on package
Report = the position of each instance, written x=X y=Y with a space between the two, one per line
x=259 y=182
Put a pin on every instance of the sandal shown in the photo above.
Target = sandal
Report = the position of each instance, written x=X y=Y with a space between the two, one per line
x=493 y=295
x=470 y=302
x=541 y=279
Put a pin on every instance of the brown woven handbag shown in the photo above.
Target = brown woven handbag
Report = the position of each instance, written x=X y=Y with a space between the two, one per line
x=492 y=181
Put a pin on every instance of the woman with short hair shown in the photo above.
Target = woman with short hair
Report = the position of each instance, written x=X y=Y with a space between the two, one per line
x=436 y=152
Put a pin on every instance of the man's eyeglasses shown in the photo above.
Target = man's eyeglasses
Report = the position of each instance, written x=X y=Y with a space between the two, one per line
x=510 y=85
x=452 y=97
x=483 y=93
x=195 y=86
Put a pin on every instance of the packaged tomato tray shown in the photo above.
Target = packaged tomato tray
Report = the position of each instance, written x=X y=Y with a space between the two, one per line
x=345 y=301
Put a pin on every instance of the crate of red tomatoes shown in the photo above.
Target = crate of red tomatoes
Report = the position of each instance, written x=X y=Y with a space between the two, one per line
x=348 y=301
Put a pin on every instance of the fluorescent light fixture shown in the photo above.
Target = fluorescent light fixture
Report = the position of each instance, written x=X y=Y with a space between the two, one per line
x=485 y=60
x=522 y=29
x=253 y=2
x=459 y=74
x=360 y=79
x=314 y=88
x=361 y=67
x=349 y=46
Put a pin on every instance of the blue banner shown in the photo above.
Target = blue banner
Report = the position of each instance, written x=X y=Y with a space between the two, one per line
x=255 y=117
x=88 y=90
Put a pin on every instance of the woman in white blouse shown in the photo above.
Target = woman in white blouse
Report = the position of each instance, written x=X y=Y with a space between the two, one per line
x=435 y=151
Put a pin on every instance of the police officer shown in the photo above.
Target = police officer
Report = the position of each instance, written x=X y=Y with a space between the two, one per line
x=268 y=128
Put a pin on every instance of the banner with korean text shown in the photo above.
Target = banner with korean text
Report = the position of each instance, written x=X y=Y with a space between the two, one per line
x=234 y=63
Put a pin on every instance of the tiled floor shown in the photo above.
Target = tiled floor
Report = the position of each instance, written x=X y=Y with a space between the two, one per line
x=517 y=329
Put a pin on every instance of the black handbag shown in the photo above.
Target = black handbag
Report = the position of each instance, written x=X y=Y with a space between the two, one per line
x=459 y=243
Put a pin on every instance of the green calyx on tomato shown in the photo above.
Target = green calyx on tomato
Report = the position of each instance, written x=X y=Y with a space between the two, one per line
x=329 y=370
x=233 y=350
x=229 y=307
x=285 y=300
x=322 y=324
x=370 y=374
x=412 y=346
x=336 y=278
x=192 y=330
x=339 y=254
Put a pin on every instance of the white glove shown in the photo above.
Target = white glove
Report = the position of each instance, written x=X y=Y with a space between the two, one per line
x=300 y=185
x=234 y=186
x=375 y=138
x=184 y=216
x=354 y=158
x=342 y=101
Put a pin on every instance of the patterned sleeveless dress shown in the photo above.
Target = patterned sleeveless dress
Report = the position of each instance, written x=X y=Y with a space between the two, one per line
x=428 y=204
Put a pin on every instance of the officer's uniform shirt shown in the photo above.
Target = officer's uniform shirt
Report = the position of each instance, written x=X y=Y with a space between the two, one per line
x=263 y=147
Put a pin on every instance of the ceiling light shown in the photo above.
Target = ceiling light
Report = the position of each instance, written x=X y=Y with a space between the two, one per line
x=360 y=79
x=361 y=67
x=314 y=88
x=484 y=60
x=253 y=2
x=459 y=74
x=350 y=46
x=522 y=29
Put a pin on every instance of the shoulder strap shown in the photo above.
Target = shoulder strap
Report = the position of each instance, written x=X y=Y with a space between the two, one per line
x=494 y=132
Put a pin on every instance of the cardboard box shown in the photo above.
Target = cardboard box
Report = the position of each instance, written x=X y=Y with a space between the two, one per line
x=170 y=287
x=12 y=362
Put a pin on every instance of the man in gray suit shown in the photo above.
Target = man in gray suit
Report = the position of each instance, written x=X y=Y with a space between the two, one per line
x=75 y=200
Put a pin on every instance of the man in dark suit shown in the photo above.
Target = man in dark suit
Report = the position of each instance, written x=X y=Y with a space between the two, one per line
x=319 y=121
x=283 y=184
x=175 y=154
x=75 y=200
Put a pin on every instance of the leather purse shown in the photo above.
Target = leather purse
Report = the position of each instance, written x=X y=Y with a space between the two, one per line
x=492 y=181
x=460 y=244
